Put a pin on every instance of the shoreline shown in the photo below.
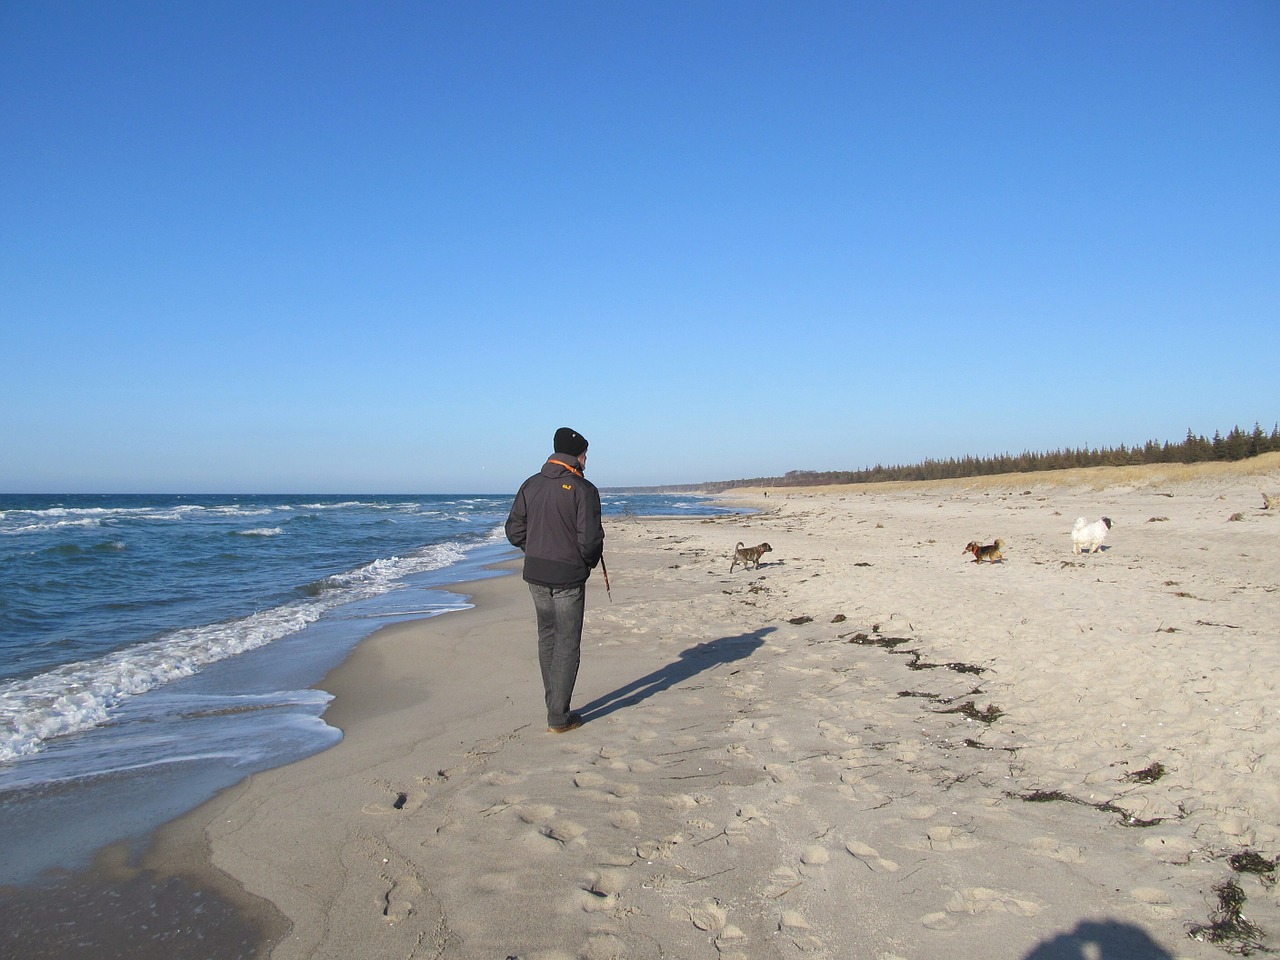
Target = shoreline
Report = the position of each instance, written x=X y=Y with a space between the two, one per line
x=780 y=761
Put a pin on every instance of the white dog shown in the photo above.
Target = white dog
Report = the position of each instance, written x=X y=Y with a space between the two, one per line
x=1089 y=536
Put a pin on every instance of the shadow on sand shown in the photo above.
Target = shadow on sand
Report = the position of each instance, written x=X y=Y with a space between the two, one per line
x=1100 y=940
x=694 y=660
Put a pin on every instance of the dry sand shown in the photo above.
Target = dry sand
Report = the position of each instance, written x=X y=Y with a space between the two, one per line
x=827 y=757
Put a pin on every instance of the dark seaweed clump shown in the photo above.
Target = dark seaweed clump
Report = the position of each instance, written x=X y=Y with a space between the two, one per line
x=1228 y=927
x=1250 y=862
x=887 y=642
x=988 y=714
x=1147 y=775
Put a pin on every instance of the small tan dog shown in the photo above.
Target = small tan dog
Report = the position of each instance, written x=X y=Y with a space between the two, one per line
x=990 y=553
x=749 y=555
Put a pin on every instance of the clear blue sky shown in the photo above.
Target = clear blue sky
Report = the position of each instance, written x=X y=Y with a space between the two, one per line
x=317 y=246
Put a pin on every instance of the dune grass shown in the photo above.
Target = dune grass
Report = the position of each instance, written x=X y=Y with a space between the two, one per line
x=1265 y=469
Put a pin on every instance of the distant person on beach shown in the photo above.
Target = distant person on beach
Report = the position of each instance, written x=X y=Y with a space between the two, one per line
x=555 y=520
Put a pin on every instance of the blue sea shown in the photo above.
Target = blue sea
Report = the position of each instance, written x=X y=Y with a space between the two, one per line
x=156 y=649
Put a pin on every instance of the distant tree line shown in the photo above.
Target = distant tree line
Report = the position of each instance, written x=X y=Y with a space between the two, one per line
x=1236 y=445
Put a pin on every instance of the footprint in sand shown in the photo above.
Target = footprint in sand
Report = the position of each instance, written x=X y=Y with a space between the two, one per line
x=680 y=802
x=779 y=773
x=564 y=832
x=625 y=819
x=535 y=813
x=1055 y=850
x=973 y=901
x=949 y=838
x=608 y=882
x=871 y=857
x=601 y=890
x=782 y=881
x=709 y=915
x=794 y=924
x=814 y=857
x=1176 y=850
x=399 y=899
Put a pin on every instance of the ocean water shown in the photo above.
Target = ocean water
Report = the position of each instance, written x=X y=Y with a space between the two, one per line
x=155 y=649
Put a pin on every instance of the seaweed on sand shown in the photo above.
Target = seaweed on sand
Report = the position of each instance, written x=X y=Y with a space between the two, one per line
x=887 y=642
x=918 y=664
x=1126 y=818
x=1147 y=775
x=1228 y=927
x=1248 y=861
x=988 y=714
x=975 y=745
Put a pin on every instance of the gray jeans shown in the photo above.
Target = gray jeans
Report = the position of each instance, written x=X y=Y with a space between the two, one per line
x=559 y=611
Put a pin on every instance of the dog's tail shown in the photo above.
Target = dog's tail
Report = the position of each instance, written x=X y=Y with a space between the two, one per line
x=740 y=545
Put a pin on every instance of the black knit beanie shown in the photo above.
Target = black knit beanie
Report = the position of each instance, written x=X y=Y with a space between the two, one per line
x=570 y=442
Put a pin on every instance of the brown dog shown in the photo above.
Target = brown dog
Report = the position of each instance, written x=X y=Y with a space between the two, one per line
x=990 y=553
x=749 y=555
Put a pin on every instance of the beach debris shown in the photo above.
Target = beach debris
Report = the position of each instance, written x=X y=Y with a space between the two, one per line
x=1127 y=819
x=1228 y=927
x=1235 y=517
x=800 y=621
x=988 y=714
x=1270 y=501
x=918 y=664
x=865 y=640
x=839 y=618
x=975 y=745
x=1157 y=519
x=1146 y=775
x=1249 y=861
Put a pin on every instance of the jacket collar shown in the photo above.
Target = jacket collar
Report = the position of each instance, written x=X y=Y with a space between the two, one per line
x=566 y=461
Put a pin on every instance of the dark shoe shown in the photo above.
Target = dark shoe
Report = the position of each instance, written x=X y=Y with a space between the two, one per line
x=574 y=723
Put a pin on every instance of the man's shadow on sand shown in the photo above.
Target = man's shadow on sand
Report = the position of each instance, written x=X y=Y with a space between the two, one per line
x=1100 y=940
x=692 y=661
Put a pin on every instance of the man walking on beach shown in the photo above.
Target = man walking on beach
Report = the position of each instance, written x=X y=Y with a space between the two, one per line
x=555 y=520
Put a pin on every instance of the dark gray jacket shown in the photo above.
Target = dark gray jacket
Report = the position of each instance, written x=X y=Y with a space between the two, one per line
x=555 y=520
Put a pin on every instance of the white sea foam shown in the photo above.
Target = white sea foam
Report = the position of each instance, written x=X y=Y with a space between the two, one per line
x=78 y=696
x=45 y=526
x=261 y=532
x=55 y=518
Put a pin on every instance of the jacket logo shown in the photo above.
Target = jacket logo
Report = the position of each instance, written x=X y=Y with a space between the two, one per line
x=566 y=486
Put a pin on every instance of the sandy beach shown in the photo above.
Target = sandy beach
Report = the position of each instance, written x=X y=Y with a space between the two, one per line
x=871 y=746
